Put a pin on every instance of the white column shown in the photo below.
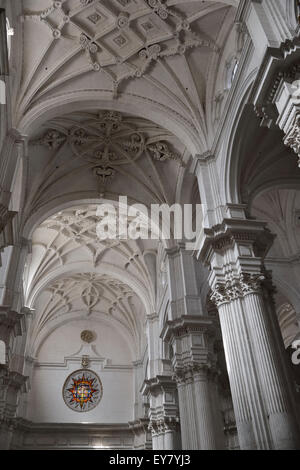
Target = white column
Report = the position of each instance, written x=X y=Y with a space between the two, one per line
x=161 y=392
x=161 y=436
x=238 y=388
x=183 y=412
x=273 y=384
x=205 y=415
x=250 y=417
x=262 y=398
x=193 y=423
x=171 y=435
x=154 y=432
x=192 y=340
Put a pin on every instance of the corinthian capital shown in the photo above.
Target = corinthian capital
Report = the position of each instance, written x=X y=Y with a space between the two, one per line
x=220 y=295
x=251 y=284
x=235 y=288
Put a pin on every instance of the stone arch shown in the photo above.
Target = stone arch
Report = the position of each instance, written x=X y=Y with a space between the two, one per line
x=229 y=165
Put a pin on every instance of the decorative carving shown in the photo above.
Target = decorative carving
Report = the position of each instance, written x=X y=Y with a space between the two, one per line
x=251 y=284
x=52 y=139
x=106 y=142
x=87 y=336
x=91 y=293
x=163 y=425
x=85 y=2
x=161 y=152
x=193 y=371
x=236 y=288
x=292 y=138
x=82 y=390
x=159 y=9
x=94 y=17
x=219 y=295
x=85 y=362
x=123 y=20
x=104 y=49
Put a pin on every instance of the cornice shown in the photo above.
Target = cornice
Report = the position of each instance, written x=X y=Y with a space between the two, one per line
x=187 y=325
x=200 y=160
x=29 y=426
x=160 y=383
x=275 y=60
x=11 y=320
x=12 y=379
x=223 y=236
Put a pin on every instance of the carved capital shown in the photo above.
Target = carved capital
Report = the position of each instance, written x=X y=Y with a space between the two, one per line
x=164 y=424
x=236 y=288
x=292 y=138
x=194 y=371
x=251 y=284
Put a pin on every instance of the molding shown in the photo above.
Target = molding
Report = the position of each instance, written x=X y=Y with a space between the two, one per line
x=12 y=320
x=158 y=383
x=12 y=379
x=104 y=363
x=187 y=325
x=232 y=231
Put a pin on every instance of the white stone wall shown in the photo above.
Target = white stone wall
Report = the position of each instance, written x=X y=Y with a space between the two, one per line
x=60 y=355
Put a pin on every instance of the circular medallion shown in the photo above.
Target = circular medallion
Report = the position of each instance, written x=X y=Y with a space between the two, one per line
x=87 y=336
x=82 y=390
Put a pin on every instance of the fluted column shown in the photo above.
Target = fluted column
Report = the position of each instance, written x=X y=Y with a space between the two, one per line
x=183 y=411
x=153 y=427
x=192 y=340
x=262 y=396
x=250 y=418
x=171 y=434
x=282 y=423
x=163 y=411
x=191 y=418
x=199 y=424
x=161 y=435
x=205 y=414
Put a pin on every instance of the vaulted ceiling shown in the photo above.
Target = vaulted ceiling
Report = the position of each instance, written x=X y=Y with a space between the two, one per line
x=165 y=54
x=72 y=274
x=115 y=96
x=105 y=153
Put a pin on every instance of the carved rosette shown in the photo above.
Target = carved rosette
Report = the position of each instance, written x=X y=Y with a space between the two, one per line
x=160 y=151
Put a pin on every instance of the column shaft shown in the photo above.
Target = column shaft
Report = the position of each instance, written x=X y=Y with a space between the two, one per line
x=204 y=411
x=272 y=378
